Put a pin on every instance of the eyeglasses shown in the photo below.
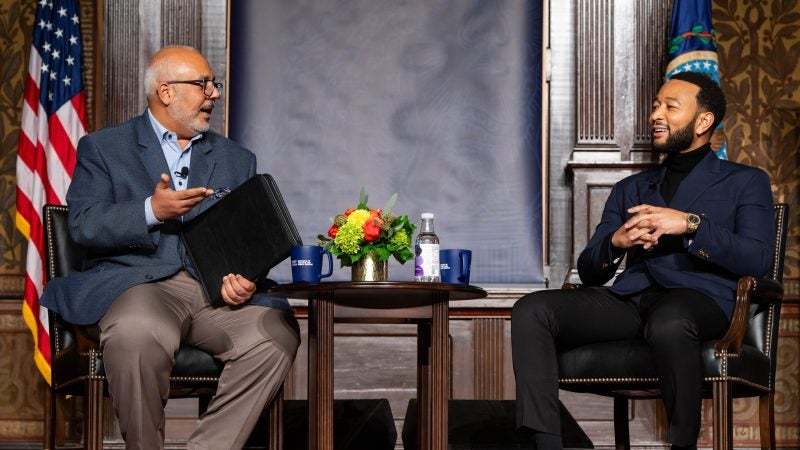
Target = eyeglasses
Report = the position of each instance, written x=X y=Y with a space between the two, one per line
x=207 y=85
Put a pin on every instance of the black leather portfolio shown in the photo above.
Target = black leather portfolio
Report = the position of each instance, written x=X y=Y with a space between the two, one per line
x=247 y=232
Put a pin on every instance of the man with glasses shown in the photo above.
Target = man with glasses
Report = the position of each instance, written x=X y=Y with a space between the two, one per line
x=132 y=187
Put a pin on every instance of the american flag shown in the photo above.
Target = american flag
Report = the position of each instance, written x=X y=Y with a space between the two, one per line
x=53 y=119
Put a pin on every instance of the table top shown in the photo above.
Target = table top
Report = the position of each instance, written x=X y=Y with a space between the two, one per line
x=380 y=294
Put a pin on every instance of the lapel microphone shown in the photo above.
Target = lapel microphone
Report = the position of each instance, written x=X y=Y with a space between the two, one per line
x=183 y=174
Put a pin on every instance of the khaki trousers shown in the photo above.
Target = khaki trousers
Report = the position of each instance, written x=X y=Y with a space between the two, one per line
x=142 y=331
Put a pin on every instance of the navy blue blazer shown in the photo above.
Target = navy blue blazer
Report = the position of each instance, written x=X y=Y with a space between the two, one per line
x=117 y=169
x=735 y=238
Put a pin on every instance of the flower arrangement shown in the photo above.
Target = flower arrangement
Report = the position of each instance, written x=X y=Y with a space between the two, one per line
x=362 y=230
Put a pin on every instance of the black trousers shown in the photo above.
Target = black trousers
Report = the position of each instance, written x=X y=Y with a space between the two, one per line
x=672 y=321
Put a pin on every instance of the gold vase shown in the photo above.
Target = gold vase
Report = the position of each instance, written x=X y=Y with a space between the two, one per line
x=370 y=268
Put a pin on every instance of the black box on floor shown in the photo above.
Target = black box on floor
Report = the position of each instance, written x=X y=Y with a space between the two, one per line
x=357 y=425
x=490 y=425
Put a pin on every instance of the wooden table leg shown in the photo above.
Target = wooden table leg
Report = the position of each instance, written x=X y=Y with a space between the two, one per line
x=440 y=374
x=320 y=372
x=423 y=385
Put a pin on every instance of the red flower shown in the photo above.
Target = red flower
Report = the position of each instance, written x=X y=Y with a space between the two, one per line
x=371 y=231
x=332 y=231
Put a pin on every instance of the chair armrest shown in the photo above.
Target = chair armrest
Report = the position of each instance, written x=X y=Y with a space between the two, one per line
x=86 y=342
x=762 y=291
x=79 y=335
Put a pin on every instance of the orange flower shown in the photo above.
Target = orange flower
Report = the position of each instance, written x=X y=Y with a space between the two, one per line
x=349 y=210
x=371 y=231
x=376 y=215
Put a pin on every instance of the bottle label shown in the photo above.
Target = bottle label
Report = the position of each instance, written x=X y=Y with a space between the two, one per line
x=426 y=262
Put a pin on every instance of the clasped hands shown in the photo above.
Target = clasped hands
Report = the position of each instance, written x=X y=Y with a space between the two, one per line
x=169 y=204
x=647 y=225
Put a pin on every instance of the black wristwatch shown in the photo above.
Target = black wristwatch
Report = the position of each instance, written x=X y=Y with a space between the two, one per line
x=692 y=223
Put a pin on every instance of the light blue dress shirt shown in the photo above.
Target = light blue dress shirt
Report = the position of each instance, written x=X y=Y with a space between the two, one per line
x=177 y=159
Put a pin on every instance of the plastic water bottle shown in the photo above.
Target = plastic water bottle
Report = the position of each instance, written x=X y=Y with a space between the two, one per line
x=426 y=261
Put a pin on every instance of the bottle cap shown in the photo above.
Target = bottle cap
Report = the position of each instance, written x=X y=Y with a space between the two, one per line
x=427 y=215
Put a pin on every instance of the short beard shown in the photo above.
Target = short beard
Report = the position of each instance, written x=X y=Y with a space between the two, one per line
x=678 y=141
x=188 y=119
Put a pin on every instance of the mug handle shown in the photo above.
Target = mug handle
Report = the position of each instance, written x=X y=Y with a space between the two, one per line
x=330 y=264
x=464 y=266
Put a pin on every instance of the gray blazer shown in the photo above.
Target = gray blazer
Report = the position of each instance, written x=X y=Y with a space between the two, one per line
x=117 y=169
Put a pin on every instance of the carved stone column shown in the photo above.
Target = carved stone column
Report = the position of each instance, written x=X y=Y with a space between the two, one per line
x=620 y=60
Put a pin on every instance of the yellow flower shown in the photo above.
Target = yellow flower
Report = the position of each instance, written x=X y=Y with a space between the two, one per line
x=358 y=217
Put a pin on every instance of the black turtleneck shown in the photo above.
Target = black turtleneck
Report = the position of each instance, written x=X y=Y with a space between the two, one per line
x=678 y=167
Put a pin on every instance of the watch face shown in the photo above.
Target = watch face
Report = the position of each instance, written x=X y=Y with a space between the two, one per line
x=693 y=222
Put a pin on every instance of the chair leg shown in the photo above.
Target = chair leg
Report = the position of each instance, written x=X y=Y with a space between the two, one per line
x=723 y=415
x=766 y=419
x=622 y=437
x=202 y=404
x=275 y=420
x=93 y=415
x=50 y=421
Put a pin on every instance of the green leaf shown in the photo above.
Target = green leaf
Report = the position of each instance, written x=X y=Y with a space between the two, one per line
x=346 y=260
x=697 y=29
x=703 y=39
x=382 y=252
x=403 y=256
x=387 y=208
x=362 y=196
x=400 y=223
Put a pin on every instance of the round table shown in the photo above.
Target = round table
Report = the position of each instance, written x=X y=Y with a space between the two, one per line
x=426 y=304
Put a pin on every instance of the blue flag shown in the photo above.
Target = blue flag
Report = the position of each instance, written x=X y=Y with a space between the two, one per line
x=693 y=47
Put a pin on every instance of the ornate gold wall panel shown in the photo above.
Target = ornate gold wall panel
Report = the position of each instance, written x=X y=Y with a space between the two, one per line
x=22 y=389
x=16 y=24
x=759 y=50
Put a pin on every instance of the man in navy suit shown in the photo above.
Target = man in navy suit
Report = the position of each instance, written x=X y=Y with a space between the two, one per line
x=132 y=187
x=689 y=228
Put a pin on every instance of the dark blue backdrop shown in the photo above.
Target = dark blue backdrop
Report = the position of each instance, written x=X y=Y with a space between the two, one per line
x=439 y=101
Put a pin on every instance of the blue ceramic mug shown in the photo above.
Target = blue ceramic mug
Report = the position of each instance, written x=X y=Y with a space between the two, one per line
x=454 y=265
x=307 y=263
